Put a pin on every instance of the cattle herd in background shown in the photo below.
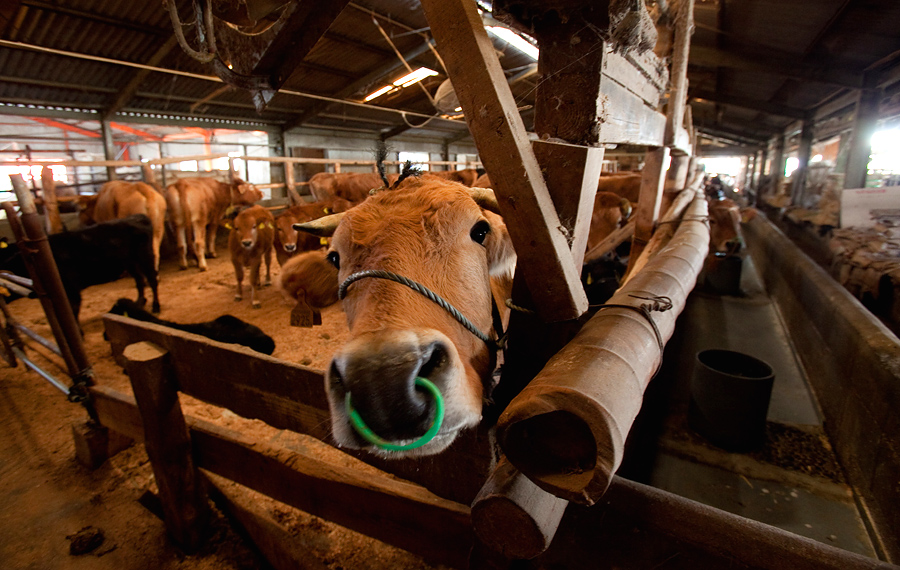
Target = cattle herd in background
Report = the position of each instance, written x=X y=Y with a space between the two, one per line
x=124 y=227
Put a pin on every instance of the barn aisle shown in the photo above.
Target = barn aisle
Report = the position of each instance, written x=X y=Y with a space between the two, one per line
x=794 y=481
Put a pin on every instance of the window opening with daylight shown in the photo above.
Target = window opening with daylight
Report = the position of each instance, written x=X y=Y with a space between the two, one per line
x=417 y=158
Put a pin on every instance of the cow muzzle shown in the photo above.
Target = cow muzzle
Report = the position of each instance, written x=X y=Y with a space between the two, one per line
x=379 y=371
x=247 y=243
x=290 y=247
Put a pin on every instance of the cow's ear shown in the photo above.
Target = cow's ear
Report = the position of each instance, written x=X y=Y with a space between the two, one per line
x=500 y=253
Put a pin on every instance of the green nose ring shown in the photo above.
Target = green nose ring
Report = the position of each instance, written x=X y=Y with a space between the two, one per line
x=362 y=429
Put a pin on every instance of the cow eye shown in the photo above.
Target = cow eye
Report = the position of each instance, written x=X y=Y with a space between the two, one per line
x=334 y=258
x=480 y=231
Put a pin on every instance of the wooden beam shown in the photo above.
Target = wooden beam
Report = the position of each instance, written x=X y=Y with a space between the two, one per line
x=748 y=103
x=776 y=62
x=496 y=126
x=684 y=27
x=652 y=182
x=109 y=147
x=129 y=89
x=394 y=511
x=51 y=206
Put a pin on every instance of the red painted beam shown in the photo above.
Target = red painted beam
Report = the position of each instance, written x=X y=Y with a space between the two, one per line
x=66 y=127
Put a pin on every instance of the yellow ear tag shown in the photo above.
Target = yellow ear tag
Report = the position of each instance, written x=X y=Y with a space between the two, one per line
x=590 y=279
x=326 y=209
x=125 y=314
x=323 y=241
x=262 y=225
x=3 y=245
x=228 y=225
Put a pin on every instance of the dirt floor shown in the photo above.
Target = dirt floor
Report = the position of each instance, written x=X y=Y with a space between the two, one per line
x=47 y=497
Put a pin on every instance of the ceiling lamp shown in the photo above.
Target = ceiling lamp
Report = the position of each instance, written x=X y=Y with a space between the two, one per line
x=405 y=81
x=514 y=40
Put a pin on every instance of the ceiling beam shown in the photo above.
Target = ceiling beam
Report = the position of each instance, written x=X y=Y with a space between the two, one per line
x=359 y=84
x=776 y=62
x=748 y=103
x=130 y=88
x=399 y=129
x=729 y=134
x=99 y=18
x=739 y=150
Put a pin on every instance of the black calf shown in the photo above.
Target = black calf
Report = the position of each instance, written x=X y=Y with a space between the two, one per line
x=98 y=254
x=223 y=329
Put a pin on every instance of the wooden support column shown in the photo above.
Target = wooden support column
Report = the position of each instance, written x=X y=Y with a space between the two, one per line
x=278 y=172
x=803 y=153
x=168 y=443
x=676 y=176
x=290 y=184
x=541 y=242
x=777 y=170
x=650 y=201
x=864 y=125
x=684 y=27
x=109 y=148
x=51 y=205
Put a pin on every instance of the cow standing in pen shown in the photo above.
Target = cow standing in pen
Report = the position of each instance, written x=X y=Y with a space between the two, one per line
x=118 y=199
x=251 y=239
x=196 y=205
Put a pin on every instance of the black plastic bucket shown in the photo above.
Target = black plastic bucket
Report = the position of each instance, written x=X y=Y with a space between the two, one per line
x=730 y=393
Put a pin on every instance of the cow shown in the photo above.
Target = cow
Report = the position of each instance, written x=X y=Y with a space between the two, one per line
x=290 y=242
x=98 y=254
x=724 y=228
x=196 y=205
x=250 y=241
x=309 y=277
x=227 y=328
x=433 y=232
x=119 y=199
x=465 y=177
x=625 y=184
x=352 y=186
x=483 y=181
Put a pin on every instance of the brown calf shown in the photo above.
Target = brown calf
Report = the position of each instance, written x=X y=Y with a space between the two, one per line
x=252 y=234
x=309 y=277
x=352 y=186
x=196 y=205
x=118 y=199
x=466 y=177
x=290 y=242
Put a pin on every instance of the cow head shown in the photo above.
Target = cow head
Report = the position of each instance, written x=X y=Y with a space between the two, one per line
x=246 y=227
x=244 y=192
x=86 y=205
x=433 y=232
x=724 y=228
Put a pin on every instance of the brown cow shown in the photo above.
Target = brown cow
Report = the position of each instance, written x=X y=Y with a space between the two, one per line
x=118 y=199
x=724 y=228
x=625 y=184
x=309 y=277
x=611 y=211
x=483 y=181
x=352 y=186
x=196 y=205
x=252 y=234
x=433 y=232
x=466 y=177
x=288 y=241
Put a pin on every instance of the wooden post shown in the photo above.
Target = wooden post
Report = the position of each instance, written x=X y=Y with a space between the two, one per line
x=650 y=201
x=514 y=516
x=51 y=205
x=803 y=154
x=777 y=172
x=109 y=148
x=291 y=185
x=542 y=247
x=864 y=125
x=676 y=177
x=684 y=27
x=168 y=443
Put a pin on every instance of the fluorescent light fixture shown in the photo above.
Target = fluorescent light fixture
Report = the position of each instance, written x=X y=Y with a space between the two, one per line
x=414 y=77
x=514 y=40
x=457 y=110
x=405 y=81
x=378 y=93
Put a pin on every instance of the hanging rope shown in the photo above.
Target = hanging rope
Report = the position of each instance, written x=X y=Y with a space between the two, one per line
x=205 y=56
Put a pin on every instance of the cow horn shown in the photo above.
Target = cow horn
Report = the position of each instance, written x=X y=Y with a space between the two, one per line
x=625 y=208
x=322 y=227
x=485 y=198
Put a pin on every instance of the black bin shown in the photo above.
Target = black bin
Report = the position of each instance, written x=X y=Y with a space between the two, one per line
x=730 y=393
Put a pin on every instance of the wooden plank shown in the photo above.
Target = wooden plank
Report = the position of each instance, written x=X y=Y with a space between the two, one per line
x=627 y=119
x=505 y=150
x=168 y=443
x=610 y=242
x=253 y=385
x=51 y=206
x=380 y=506
x=652 y=181
x=394 y=511
x=623 y=71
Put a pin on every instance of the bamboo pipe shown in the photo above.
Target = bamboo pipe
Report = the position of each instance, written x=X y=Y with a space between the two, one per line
x=566 y=430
